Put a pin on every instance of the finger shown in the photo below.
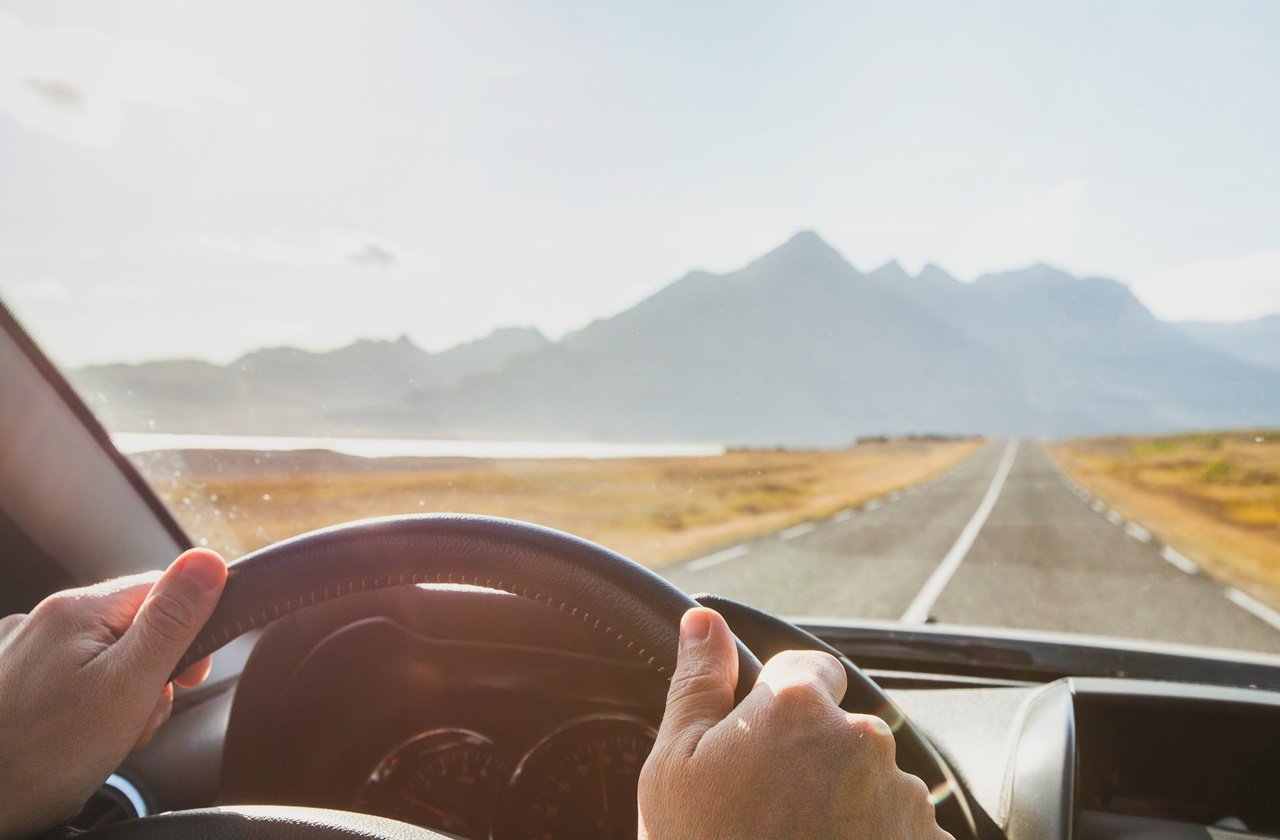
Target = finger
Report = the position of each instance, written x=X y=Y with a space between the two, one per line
x=195 y=673
x=172 y=615
x=159 y=714
x=701 y=692
x=804 y=670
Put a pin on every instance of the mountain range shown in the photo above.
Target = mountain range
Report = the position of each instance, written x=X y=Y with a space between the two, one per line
x=1256 y=341
x=797 y=348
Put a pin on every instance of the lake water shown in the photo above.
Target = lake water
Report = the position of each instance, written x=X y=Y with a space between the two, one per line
x=129 y=442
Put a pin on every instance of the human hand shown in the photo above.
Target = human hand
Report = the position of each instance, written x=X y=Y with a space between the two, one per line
x=786 y=763
x=84 y=679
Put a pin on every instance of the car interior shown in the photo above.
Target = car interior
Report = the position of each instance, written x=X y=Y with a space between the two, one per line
x=452 y=671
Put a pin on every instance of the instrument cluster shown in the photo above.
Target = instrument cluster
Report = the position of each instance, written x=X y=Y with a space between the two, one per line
x=578 y=781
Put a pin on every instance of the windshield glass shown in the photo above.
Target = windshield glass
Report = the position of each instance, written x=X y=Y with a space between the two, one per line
x=910 y=311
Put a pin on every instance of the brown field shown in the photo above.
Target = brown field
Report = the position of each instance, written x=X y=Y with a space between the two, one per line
x=1213 y=496
x=655 y=510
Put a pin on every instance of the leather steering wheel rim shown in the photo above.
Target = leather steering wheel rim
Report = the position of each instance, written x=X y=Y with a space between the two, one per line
x=639 y=610
x=264 y=822
x=635 y=608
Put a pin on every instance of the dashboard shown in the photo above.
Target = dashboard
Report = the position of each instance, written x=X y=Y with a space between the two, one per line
x=487 y=716
x=1150 y=759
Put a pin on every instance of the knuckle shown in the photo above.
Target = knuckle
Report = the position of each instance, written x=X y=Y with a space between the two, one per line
x=169 y=617
x=692 y=683
x=873 y=734
x=802 y=698
x=815 y=667
x=914 y=793
x=58 y=607
x=806 y=660
x=915 y=789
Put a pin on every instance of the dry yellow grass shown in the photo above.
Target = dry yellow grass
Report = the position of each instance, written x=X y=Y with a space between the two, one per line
x=1213 y=496
x=655 y=510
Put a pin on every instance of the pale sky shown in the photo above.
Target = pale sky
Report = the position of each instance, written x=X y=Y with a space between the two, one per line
x=196 y=179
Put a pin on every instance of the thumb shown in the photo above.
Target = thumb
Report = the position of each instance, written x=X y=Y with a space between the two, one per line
x=701 y=693
x=173 y=614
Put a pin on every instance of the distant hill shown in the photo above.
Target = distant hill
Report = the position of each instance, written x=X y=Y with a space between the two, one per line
x=796 y=348
x=284 y=390
x=1255 y=341
x=1092 y=358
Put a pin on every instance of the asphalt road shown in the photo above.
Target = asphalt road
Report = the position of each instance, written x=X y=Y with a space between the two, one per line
x=1002 y=539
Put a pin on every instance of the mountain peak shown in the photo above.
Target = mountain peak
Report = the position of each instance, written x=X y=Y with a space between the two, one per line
x=805 y=252
x=805 y=242
x=934 y=273
x=890 y=272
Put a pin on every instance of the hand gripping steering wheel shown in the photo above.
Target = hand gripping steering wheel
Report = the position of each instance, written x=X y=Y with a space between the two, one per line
x=635 y=608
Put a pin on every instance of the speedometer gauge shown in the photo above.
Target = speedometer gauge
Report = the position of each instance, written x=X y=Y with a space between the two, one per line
x=579 y=782
x=447 y=779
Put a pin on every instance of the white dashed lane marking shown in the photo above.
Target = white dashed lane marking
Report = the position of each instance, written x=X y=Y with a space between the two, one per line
x=1136 y=531
x=717 y=558
x=1180 y=562
x=1114 y=518
x=798 y=531
x=1098 y=506
x=842 y=516
x=874 y=504
x=1254 y=606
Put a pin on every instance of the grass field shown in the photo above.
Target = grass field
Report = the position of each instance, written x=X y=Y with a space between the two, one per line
x=654 y=510
x=1213 y=496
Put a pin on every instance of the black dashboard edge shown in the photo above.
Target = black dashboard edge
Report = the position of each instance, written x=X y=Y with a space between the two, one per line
x=1039 y=657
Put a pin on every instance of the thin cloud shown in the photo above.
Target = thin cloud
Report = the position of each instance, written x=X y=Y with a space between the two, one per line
x=316 y=250
x=57 y=94
x=81 y=86
x=372 y=254
x=1233 y=289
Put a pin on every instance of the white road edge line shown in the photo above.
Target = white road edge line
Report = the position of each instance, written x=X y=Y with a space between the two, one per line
x=918 y=611
x=717 y=558
x=842 y=516
x=874 y=504
x=1114 y=517
x=1178 y=560
x=797 y=531
x=1253 y=605
x=1136 y=531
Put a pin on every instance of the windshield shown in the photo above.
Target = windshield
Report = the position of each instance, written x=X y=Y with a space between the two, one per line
x=917 y=312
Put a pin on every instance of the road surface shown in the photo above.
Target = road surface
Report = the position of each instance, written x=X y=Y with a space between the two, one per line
x=1002 y=539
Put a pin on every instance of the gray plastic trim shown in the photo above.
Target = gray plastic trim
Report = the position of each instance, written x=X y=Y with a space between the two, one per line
x=1042 y=789
x=64 y=489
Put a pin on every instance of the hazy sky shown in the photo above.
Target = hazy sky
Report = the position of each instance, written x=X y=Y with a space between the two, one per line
x=199 y=178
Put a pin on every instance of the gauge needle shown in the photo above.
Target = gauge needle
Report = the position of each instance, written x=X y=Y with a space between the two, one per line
x=426 y=806
x=604 y=788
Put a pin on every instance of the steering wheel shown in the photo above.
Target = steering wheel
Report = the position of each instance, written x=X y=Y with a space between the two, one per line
x=635 y=608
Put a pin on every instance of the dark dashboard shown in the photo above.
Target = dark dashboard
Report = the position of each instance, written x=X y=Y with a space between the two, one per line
x=484 y=715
